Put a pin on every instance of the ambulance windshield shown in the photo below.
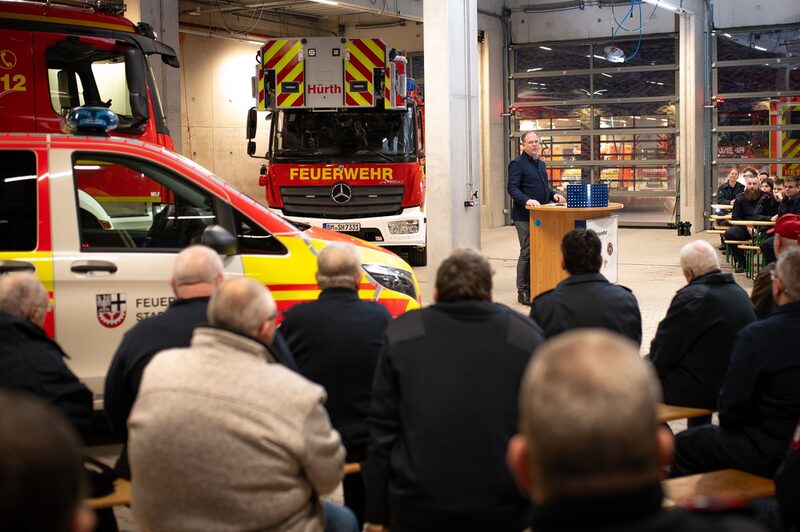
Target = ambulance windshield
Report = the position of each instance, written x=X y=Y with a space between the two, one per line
x=344 y=136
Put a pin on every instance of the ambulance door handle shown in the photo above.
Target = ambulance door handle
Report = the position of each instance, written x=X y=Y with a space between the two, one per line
x=89 y=266
x=7 y=266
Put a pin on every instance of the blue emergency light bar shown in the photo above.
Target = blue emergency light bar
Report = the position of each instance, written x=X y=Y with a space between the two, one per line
x=91 y=121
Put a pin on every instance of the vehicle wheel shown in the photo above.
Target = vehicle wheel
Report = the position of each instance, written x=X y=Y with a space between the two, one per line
x=418 y=256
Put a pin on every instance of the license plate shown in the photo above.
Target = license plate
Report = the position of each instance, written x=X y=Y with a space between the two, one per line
x=342 y=227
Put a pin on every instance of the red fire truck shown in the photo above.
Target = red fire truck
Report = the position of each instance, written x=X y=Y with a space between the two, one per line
x=346 y=144
x=62 y=54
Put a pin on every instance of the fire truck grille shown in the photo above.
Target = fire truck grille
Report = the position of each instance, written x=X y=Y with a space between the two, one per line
x=365 y=201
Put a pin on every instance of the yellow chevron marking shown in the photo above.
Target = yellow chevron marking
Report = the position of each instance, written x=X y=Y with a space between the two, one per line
x=289 y=101
x=288 y=57
x=355 y=72
x=376 y=48
x=294 y=73
x=272 y=50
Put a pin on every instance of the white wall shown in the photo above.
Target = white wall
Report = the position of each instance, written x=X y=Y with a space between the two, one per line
x=408 y=38
x=737 y=13
x=589 y=23
x=215 y=98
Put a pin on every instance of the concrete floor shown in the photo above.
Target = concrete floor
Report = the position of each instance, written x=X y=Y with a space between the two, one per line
x=648 y=265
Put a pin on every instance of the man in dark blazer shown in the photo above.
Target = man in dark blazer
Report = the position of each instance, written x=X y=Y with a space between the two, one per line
x=527 y=186
x=586 y=298
x=335 y=341
x=693 y=343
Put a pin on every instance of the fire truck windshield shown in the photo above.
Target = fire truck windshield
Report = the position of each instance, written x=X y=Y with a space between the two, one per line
x=351 y=135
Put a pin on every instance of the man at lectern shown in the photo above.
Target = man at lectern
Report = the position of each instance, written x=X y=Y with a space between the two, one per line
x=527 y=186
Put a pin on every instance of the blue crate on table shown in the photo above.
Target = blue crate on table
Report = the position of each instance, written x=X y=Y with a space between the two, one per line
x=587 y=195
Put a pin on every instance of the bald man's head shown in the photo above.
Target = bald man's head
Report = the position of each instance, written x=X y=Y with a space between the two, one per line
x=198 y=270
x=245 y=306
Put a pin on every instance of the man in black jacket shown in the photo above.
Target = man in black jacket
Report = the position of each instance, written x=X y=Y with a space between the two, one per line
x=744 y=208
x=335 y=341
x=760 y=400
x=29 y=360
x=790 y=204
x=586 y=298
x=693 y=343
x=591 y=450
x=444 y=405
x=527 y=186
x=198 y=270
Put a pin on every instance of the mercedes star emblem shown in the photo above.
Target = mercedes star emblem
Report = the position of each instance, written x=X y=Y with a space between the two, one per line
x=341 y=193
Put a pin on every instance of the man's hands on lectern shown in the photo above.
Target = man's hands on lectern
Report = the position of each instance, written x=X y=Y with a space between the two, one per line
x=559 y=198
x=532 y=203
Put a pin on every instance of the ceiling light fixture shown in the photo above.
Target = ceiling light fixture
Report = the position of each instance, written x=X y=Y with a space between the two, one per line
x=326 y=2
x=667 y=6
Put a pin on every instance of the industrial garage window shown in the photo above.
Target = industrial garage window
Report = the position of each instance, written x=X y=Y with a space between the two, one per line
x=756 y=88
x=17 y=200
x=604 y=122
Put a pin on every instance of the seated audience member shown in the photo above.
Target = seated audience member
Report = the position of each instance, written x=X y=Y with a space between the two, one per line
x=693 y=343
x=743 y=209
x=29 y=360
x=787 y=485
x=767 y=206
x=345 y=367
x=444 y=406
x=586 y=298
x=760 y=399
x=777 y=191
x=731 y=188
x=42 y=480
x=222 y=437
x=591 y=450
x=198 y=270
x=786 y=234
x=727 y=193
x=790 y=204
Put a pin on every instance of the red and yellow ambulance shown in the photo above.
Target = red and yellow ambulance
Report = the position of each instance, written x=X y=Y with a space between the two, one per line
x=104 y=273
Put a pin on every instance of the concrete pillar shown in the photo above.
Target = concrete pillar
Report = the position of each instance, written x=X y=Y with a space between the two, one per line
x=692 y=119
x=163 y=16
x=494 y=143
x=451 y=126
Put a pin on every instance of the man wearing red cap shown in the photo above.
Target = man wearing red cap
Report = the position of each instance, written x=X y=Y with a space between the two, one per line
x=786 y=234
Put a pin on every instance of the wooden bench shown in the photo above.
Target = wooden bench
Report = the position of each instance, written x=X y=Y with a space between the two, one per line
x=671 y=412
x=121 y=496
x=753 y=259
x=728 y=483
x=715 y=232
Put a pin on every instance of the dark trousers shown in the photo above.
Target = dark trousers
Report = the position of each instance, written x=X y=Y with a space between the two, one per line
x=524 y=261
x=355 y=495
x=768 y=249
x=710 y=447
x=737 y=233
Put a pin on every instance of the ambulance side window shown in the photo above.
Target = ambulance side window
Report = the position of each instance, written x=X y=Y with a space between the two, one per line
x=253 y=239
x=17 y=200
x=128 y=204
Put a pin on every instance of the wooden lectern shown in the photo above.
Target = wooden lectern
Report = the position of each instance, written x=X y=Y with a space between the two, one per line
x=549 y=224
